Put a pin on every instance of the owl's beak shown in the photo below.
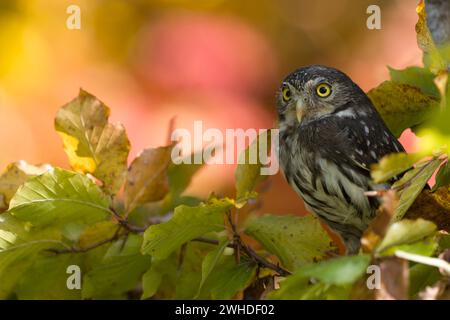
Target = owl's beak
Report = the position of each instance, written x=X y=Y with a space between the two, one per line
x=300 y=109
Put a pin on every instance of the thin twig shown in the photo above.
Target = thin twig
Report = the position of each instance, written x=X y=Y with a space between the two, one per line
x=116 y=236
x=249 y=252
x=241 y=246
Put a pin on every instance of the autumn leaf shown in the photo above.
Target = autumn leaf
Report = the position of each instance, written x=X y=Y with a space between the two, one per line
x=392 y=165
x=15 y=175
x=251 y=160
x=432 y=34
x=412 y=184
x=402 y=106
x=92 y=144
x=147 y=179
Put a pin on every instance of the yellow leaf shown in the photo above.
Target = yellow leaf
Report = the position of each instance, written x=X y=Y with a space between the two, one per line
x=15 y=175
x=92 y=144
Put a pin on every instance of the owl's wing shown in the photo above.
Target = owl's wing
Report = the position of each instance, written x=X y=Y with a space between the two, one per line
x=358 y=143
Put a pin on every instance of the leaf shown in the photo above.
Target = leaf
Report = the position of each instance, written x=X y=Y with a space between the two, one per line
x=402 y=106
x=15 y=175
x=417 y=77
x=119 y=272
x=405 y=232
x=432 y=206
x=340 y=272
x=96 y=233
x=424 y=247
x=47 y=279
x=434 y=59
x=161 y=270
x=151 y=281
x=393 y=164
x=442 y=176
x=210 y=261
x=92 y=144
x=147 y=179
x=228 y=278
x=251 y=161
x=186 y=224
x=15 y=260
x=294 y=240
x=380 y=224
x=413 y=183
x=59 y=197
x=421 y=276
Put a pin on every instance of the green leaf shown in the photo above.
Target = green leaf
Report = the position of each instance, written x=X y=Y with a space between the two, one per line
x=47 y=279
x=119 y=272
x=412 y=184
x=92 y=144
x=147 y=178
x=161 y=271
x=97 y=232
x=434 y=58
x=210 y=261
x=228 y=278
x=417 y=77
x=294 y=240
x=392 y=165
x=338 y=271
x=406 y=232
x=421 y=276
x=59 y=197
x=15 y=260
x=186 y=224
x=251 y=161
x=425 y=247
x=15 y=175
x=442 y=176
x=402 y=106
x=333 y=277
x=151 y=281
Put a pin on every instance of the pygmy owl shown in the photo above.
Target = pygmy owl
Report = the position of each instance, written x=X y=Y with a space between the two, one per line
x=330 y=134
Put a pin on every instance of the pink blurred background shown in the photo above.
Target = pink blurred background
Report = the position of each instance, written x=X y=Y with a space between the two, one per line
x=212 y=60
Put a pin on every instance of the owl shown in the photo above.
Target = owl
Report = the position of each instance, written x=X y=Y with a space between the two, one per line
x=330 y=135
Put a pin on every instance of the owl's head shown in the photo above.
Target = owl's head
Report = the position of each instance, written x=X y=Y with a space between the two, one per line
x=316 y=91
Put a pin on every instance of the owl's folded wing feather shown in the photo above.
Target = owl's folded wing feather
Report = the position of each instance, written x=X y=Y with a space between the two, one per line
x=357 y=143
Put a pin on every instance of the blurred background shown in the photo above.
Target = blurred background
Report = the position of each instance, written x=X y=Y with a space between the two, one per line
x=217 y=61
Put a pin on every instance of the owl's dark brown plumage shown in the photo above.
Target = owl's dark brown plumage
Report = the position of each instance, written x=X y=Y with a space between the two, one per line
x=330 y=134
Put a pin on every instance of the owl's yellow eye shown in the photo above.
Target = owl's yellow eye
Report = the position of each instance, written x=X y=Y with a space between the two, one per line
x=286 y=94
x=323 y=90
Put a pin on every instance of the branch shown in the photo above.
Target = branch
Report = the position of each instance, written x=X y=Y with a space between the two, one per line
x=248 y=251
x=116 y=236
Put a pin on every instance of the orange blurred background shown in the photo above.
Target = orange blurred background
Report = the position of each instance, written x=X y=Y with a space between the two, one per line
x=212 y=60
